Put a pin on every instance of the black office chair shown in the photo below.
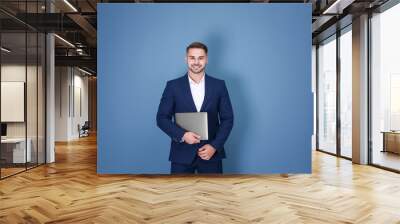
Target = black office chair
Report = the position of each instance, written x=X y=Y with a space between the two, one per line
x=84 y=130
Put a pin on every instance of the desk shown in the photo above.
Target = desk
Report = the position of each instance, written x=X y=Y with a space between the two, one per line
x=391 y=141
x=13 y=150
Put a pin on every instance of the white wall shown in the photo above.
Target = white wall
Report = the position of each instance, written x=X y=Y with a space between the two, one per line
x=61 y=103
x=71 y=92
x=80 y=110
x=16 y=72
x=9 y=73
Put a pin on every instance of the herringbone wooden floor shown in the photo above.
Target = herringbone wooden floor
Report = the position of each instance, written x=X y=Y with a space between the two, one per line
x=70 y=191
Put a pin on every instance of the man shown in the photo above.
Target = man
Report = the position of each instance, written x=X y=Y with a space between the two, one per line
x=196 y=92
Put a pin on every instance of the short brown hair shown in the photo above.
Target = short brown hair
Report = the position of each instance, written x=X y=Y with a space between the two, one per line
x=197 y=45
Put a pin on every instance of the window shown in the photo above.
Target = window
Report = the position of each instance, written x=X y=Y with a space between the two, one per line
x=327 y=95
x=385 y=88
x=346 y=92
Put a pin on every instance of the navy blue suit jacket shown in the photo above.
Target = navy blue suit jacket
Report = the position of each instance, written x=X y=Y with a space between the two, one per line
x=177 y=98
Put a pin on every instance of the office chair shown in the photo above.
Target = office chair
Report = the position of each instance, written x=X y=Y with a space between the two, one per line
x=84 y=130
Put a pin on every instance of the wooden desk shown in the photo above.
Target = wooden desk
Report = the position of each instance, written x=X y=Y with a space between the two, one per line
x=13 y=150
x=391 y=141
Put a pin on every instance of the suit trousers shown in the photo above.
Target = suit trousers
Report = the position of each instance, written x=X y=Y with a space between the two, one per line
x=199 y=165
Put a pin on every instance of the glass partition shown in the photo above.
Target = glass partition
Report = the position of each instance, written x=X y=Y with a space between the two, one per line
x=14 y=153
x=22 y=77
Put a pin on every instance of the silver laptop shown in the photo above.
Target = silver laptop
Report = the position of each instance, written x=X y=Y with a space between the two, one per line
x=196 y=122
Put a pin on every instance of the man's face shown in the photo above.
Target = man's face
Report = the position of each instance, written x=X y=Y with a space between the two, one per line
x=196 y=58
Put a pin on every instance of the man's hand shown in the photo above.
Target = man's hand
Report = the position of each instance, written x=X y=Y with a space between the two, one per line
x=206 y=152
x=191 y=138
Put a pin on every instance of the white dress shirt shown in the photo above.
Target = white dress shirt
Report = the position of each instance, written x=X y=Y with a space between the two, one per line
x=198 y=92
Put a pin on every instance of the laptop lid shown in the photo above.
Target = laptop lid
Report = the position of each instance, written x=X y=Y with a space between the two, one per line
x=196 y=122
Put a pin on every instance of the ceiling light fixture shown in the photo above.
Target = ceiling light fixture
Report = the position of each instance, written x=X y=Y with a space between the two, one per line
x=337 y=7
x=64 y=40
x=5 y=50
x=84 y=71
x=70 y=5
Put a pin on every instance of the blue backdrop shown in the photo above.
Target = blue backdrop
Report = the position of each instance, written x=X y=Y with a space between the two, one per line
x=262 y=51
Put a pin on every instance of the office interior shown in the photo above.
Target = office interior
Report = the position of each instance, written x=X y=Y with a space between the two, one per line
x=48 y=81
x=49 y=75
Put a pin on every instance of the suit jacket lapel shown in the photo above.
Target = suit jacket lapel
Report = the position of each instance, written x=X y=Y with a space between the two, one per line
x=188 y=94
x=207 y=92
